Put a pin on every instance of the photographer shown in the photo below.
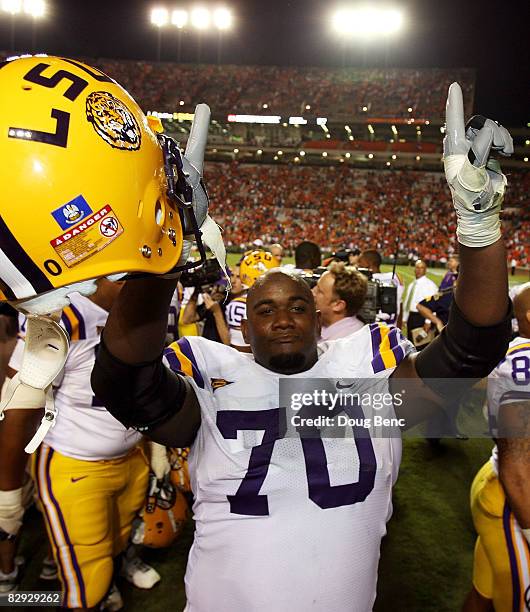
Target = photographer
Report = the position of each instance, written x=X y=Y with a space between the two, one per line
x=339 y=295
x=210 y=311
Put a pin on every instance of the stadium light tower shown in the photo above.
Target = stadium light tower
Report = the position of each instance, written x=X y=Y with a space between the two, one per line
x=222 y=18
x=12 y=6
x=367 y=22
x=35 y=8
x=180 y=19
x=159 y=18
x=200 y=18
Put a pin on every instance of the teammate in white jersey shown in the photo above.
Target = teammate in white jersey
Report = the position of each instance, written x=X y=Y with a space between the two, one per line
x=91 y=475
x=500 y=494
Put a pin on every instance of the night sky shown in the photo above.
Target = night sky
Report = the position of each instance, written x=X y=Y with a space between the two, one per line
x=489 y=36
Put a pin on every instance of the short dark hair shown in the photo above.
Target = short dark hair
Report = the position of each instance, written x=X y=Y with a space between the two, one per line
x=372 y=257
x=350 y=285
x=307 y=255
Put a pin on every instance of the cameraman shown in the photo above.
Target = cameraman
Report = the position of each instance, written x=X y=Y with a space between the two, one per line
x=210 y=311
x=372 y=260
x=339 y=295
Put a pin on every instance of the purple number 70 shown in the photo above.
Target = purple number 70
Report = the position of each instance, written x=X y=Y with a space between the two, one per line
x=247 y=499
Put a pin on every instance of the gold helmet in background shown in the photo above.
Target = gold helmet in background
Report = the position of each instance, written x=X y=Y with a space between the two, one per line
x=254 y=264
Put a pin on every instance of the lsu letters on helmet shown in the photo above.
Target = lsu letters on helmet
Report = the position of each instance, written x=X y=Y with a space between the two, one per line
x=255 y=264
x=88 y=188
x=164 y=515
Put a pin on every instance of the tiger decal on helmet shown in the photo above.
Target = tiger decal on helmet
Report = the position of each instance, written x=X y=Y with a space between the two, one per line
x=113 y=121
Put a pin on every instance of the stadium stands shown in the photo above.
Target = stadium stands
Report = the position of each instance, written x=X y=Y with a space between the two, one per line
x=288 y=91
x=335 y=92
x=340 y=206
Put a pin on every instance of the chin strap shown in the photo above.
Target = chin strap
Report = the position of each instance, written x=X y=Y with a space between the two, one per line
x=45 y=352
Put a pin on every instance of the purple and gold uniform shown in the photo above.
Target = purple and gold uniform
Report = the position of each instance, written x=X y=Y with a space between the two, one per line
x=91 y=475
x=501 y=570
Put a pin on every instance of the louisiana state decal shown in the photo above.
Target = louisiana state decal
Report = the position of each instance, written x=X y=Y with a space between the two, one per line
x=113 y=121
x=89 y=237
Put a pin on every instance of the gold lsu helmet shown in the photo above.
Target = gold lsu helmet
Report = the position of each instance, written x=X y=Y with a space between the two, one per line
x=254 y=264
x=165 y=514
x=89 y=189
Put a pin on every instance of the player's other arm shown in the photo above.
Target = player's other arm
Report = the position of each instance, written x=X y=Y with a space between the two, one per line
x=129 y=376
x=514 y=458
x=16 y=430
x=477 y=334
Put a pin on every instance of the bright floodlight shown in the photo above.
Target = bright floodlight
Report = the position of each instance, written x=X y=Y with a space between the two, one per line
x=12 y=6
x=179 y=18
x=222 y=18
x=35 y=8
x=367 y=22
x=159 y=17
x=200 y=18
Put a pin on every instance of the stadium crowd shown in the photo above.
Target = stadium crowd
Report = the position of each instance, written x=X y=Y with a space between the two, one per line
x=343 y=207
x=329 y=92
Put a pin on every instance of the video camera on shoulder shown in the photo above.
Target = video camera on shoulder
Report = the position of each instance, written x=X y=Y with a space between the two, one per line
x=380 y=297
x=203 y=277
x=312 y=277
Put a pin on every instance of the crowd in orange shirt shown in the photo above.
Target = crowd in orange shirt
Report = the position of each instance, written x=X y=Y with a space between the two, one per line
x=337 y=206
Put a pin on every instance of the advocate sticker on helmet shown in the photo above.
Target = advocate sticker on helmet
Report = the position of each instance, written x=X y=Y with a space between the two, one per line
x=88 y=237
x=113 y=121
x=71 y=213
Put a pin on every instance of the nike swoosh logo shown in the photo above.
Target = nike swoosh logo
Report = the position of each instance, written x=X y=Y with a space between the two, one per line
x=339 y=386
x=77 y=479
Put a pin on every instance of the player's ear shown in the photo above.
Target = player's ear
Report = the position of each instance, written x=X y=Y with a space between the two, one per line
x=244 y=330
x=528 y=316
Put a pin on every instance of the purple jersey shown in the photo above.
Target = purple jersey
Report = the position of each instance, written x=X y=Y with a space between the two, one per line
x=448 y=280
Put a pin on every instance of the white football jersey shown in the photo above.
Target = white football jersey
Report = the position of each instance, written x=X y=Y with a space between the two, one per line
x=508 y=383
x=84 y=429
x=391 y=279
x=284 y=524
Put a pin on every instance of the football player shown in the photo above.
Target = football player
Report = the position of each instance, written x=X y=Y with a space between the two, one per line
x=102 y=174
x=251 y=267
x=236 y=311
x=288 y=523
x=500 y=494
x=90 y=472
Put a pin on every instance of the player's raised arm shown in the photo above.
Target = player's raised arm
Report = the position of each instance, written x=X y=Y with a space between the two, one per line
x=129 y=376
x=478 y=331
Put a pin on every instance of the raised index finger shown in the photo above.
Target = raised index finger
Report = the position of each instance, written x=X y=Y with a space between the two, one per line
x=454 y=119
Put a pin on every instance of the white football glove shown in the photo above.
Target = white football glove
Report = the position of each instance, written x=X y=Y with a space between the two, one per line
x=476 y=182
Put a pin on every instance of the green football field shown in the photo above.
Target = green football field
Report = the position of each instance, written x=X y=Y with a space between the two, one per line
x=426 y=558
